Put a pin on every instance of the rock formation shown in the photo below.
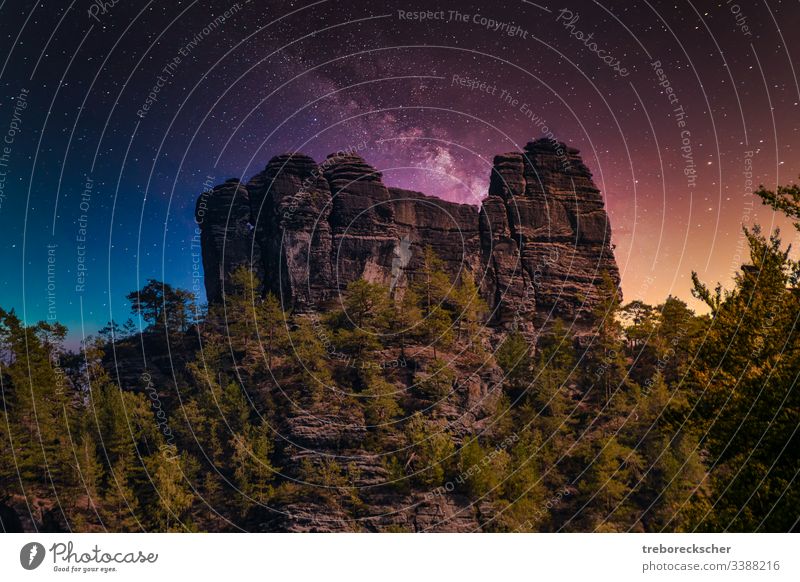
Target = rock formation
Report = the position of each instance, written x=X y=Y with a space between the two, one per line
x=538 y=246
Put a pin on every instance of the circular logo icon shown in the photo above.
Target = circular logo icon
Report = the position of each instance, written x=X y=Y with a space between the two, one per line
x=31 y=555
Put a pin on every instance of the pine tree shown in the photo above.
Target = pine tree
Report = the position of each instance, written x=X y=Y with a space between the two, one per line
x=273 y=328
x=380 y=403
x=432 y=286
x=162 y=306
x=310 y=359
x=743 y=380
x=514 y=357
x=432 y=451
x=38 y=402
x=240 y=310
x=673 y=469
x=523 y=489
x=482 y=470
x=367 y=305
x=407 y=318
x=91 y=471
x=604 y=499
x=604 y=360
x=120 y=508
x=169 y=507
x=469 y=309
x=253 y=471
x=437 y=383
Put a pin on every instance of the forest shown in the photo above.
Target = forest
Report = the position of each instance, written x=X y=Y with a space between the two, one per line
x=663 y=420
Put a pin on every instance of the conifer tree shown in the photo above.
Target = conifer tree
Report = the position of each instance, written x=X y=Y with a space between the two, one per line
x=380 y=402
x=169 y=507
x=407 y=318
x=470 y=309
x=432 y=451
x=432 y=286
x=744 y=382
x=310 y=359
x=253 y=471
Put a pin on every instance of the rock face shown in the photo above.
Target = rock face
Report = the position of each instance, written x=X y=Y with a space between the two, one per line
x=223 y=215
x=538 y=246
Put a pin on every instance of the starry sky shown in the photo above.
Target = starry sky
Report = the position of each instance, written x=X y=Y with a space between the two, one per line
x=114 y=116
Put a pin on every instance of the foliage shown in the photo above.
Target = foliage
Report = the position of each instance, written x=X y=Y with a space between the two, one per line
x=432 y=453
x=161 y=305
x=657 y=419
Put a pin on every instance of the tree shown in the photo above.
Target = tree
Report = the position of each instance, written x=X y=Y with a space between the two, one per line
x=252 y=469
x=432 y=286
x=380 y=402
x=470 y=309
x=366 y=317
x=120 y=507
x=548 y=405
x=604 y=499
x=604 y=360
x=437 y=328
x=240 y=309
x=407 y=318
x=254 y=330
x=173 y=497
x=113 y=332
x=367 y=305
x=309 y=359
x=431 y=453
x=437 y=383
x=785 y=199
x=671 y=457
x=676 y=331
x=744 y=382
x=272 y=323
x=523 y=489
x=91 y=471
x=514 y=357
x=161 y=305
x=483 y=470
x=51 y=335
x=639 y=321
x=38 y=402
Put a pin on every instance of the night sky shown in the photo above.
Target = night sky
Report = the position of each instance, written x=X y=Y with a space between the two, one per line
x=679 y=109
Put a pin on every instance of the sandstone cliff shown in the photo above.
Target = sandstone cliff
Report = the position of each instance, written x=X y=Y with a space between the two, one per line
x=538 y=245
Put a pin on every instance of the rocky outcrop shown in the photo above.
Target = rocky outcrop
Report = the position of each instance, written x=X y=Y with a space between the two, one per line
x=546 y=237
x=538 y=245
x=223 y=215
